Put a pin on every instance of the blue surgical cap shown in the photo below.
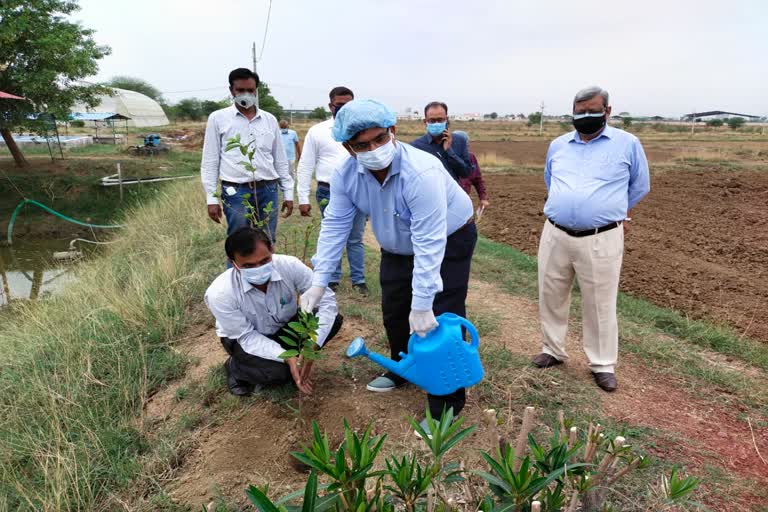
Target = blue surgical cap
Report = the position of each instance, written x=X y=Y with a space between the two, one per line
x=358 y=115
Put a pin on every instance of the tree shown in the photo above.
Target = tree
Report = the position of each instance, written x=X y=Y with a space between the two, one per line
x=494 y=115
x=268 y=103
x=534 y=118
x=137 y=85
x=735 y=122
x=43 y=57
x=715 y=123
x=627 y=120
x=319 y=113
x=207 y=107
x=189 y=108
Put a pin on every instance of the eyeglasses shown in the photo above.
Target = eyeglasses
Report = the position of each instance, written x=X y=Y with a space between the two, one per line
x=379 y=140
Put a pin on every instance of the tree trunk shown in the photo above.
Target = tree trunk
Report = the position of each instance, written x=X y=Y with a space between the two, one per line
x=18 y=157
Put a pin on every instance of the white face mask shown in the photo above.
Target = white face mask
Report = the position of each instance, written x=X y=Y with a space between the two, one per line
x=258 y=275
x=379 y=158
x=245 y=100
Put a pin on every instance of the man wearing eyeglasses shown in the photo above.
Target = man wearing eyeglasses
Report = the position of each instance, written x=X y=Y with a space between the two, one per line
x=321 y=156
x=595 y=175
x=422 y=220
x=451 y=148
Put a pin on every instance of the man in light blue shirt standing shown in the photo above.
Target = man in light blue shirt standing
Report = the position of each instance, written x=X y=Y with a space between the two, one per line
x=595 y=175
x=421 y=218
x=291 y=145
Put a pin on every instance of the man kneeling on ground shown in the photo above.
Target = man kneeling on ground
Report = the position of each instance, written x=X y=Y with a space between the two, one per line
x=253 y=302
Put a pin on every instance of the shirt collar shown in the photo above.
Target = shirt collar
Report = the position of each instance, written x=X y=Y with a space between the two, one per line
x=607 y=132
x=237 y=112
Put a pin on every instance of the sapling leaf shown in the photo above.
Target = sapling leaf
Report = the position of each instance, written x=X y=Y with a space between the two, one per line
x=289 y=341
x=288 y=354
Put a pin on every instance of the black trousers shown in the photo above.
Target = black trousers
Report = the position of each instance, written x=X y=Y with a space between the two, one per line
x=396 y=275
x=245 y=369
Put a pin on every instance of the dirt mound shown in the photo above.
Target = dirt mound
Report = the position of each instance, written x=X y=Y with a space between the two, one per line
x=695 y=245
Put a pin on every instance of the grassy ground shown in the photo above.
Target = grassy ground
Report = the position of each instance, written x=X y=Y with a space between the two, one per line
x=76 y=369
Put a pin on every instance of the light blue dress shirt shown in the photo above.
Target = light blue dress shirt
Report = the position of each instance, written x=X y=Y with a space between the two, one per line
x=412 y=213
x=290 y=138
x=594 y=183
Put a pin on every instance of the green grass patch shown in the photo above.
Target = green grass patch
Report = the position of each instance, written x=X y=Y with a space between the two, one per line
x=75 y=370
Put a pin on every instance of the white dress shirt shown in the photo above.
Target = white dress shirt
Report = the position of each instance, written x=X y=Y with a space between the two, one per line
x=320 y=154
x=268 y=159
x=246 y=314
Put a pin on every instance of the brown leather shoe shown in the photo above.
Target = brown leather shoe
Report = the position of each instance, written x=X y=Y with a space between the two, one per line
x=605 y=381
x=545 y=361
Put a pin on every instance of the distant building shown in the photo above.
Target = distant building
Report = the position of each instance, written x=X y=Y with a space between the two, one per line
x=410 y=114
x=718 y=114
x=472 y=116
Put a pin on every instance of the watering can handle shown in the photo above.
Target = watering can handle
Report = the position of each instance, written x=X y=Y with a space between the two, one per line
x=472 y=331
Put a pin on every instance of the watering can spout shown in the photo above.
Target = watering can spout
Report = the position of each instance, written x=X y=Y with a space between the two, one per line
x=358 y=348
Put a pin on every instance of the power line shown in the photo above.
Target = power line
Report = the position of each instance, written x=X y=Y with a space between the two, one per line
x=266 y=29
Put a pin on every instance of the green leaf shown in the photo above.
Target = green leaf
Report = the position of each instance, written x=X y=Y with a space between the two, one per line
x=310 y=493
x=289 y=354
x=289 y=341
x=260 y=500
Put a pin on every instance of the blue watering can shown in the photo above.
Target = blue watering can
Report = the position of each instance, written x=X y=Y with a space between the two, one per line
x=439 y=363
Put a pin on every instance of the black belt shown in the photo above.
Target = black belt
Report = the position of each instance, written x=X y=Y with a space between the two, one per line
x=323 y=184
x=257 y=183
x=586 y=232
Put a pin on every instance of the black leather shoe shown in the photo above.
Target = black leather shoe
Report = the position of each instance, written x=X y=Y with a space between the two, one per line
x=333 y=287
x=361 y=288
x=545 y=361
x=605 y=381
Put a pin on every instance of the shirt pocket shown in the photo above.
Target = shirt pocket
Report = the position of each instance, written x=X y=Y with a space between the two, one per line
x=264 y=141
x=285 y=306
x=611 y=167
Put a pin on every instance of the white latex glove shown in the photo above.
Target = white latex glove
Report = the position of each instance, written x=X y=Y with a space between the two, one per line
x=422 y=322
x=311 y=298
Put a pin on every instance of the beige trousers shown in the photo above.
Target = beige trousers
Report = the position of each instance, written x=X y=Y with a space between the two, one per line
x=595 y=261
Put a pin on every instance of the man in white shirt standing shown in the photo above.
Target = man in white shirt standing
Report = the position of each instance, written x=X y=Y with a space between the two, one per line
x=323 y=155
x=253 y=302
x=261 y=130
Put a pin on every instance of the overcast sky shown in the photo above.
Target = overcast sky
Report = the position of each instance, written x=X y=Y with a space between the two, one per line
x=665 y=57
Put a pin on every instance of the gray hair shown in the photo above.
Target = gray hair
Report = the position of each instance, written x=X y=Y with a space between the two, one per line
x=590 y=92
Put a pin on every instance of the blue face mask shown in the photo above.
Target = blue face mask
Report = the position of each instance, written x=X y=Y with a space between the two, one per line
x=258 y=275
x=435 y=129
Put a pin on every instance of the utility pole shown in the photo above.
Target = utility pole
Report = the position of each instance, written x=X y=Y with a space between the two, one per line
x=291 y=114
x=253 y=54
x=541 y=119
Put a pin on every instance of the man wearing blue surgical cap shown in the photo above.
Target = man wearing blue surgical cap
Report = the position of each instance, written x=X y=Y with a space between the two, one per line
x=421 y=218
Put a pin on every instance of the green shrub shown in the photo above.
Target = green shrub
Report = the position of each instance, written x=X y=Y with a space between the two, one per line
x=572 y=469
